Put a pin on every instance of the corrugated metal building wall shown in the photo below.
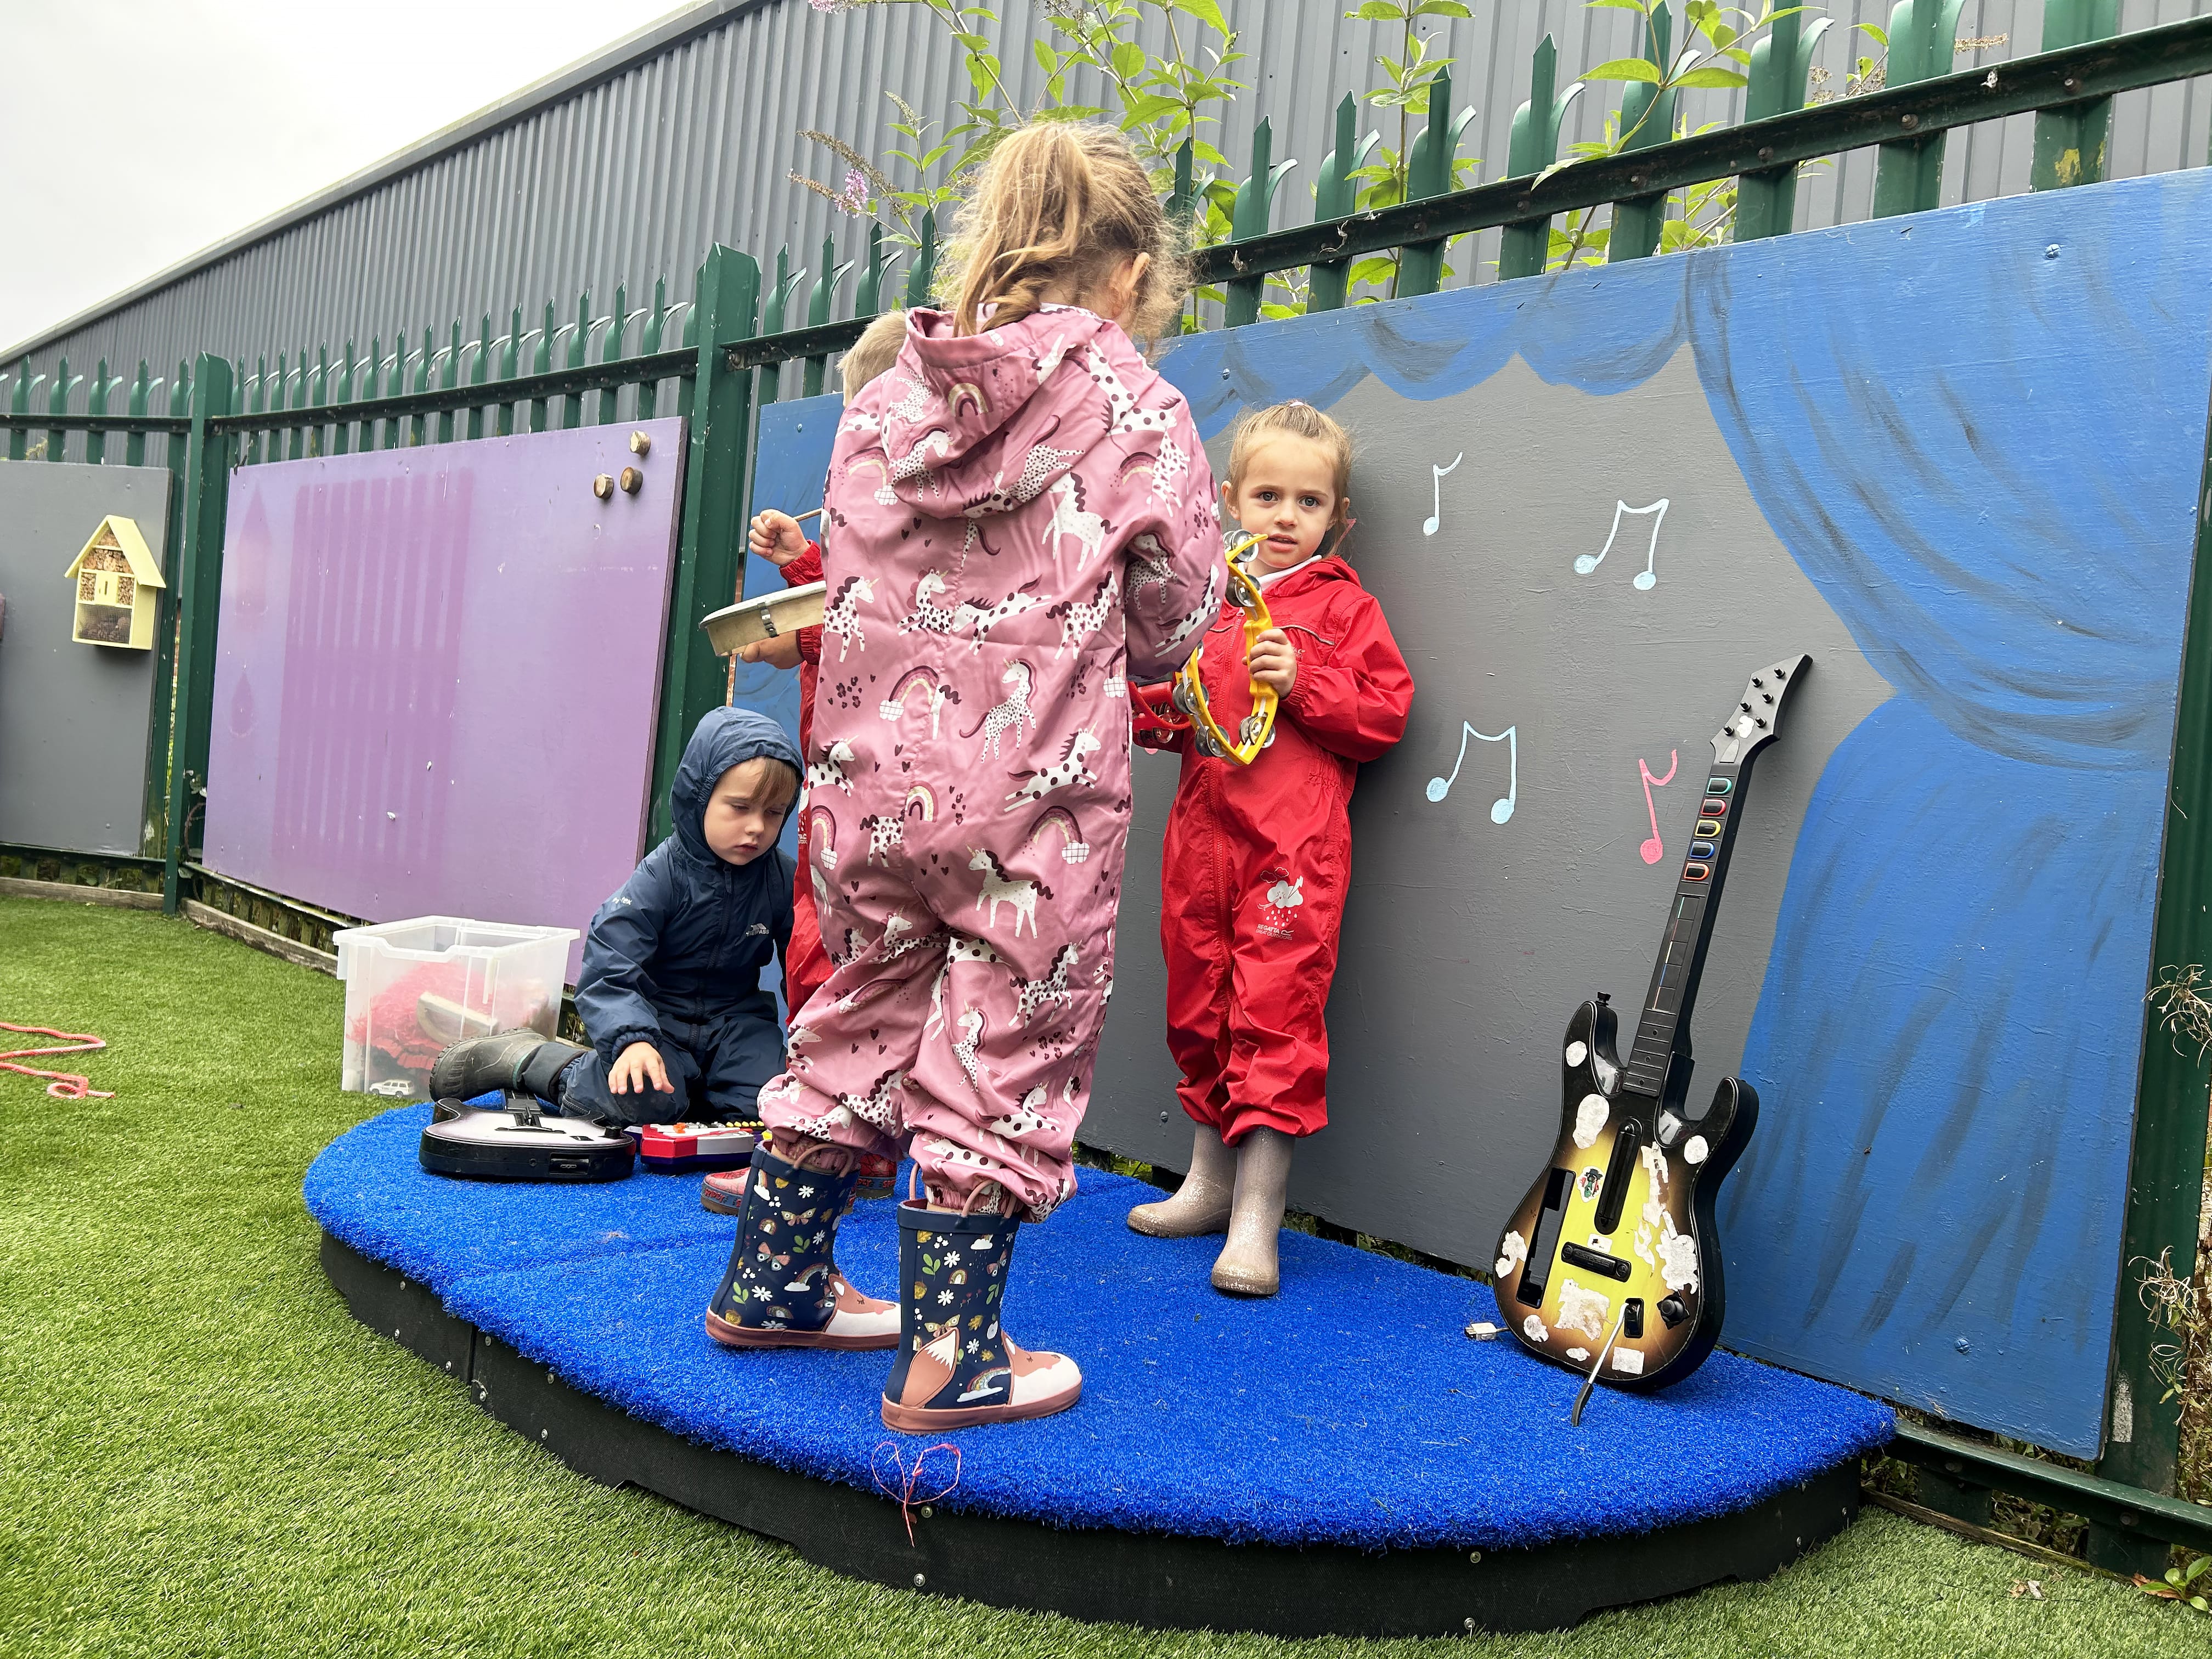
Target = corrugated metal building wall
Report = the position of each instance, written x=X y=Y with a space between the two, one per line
x=629 y=164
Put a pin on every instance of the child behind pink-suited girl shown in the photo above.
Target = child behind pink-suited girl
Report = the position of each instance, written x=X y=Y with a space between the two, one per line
x=1019 y=518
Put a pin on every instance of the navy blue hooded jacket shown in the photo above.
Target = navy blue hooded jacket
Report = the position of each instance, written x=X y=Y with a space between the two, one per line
x=688 y=935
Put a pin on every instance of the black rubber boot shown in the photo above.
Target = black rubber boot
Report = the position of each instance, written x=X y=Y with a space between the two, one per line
x=522 y=1061
x=955 y=1366
x=782 y=1289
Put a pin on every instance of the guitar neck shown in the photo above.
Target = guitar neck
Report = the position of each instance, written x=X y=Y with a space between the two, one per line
x=1663 y=1025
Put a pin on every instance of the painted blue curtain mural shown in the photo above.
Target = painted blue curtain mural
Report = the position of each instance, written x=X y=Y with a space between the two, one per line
x=1948 y=1036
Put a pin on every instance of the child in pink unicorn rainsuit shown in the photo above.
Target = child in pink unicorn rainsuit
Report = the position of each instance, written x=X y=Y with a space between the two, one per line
x=1022 y=520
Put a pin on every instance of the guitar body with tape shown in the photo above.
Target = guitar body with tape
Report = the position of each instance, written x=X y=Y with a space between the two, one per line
x=1611 y=1265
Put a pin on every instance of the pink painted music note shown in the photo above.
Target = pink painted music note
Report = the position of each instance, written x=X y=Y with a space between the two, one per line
x=1655 y=849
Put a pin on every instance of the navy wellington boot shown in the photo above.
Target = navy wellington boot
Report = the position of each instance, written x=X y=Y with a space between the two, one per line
x=782 y=1289
x=955 y=1367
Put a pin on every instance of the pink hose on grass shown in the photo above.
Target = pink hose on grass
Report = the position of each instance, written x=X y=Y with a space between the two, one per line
x=65 y=1085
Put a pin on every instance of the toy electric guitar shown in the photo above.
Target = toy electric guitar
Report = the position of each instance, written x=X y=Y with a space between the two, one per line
x=1611 y=1266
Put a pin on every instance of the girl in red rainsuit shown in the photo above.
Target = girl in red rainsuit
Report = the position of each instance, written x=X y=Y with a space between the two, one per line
x=1257 y=857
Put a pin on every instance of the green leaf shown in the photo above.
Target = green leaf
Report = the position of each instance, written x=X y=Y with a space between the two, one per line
x=1880 y=34
x=1706 y=75
x=1376 y=11
x=1443 y=9
x=1048 y=59
x=1624 y=69
x=1636 y=6
x=1207 y=12
x=1128 y=59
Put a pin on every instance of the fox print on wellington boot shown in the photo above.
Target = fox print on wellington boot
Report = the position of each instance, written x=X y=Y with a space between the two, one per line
x=782 y=1289
x=957 y=1367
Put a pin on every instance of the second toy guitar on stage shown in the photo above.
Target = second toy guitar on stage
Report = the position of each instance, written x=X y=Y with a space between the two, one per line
x=1611 y=1266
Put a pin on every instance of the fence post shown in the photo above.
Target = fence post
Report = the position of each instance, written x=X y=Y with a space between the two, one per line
x=923 y=270
x=1429 y=169
x=199 y=590
x=817 y=311
x=710 y=541
x=868 y=298
x=2143 y=1439
x=1647 y=118
x=610 y=350
x=134 y=447
x=1525 y=248
x=18 y=438
x=1254 y=210
x=1335 y=195
x=2069 y=143
x=96 y=443
x=1908 y=176
x=1766 y=202
x=57 y=396
x=154 y=829
x=771 y=321
x=648 y=342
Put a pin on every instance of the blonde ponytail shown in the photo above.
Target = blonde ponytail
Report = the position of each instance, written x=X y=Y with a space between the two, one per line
x=1061 y=205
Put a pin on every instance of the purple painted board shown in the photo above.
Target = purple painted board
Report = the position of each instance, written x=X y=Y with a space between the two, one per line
x=438 y=673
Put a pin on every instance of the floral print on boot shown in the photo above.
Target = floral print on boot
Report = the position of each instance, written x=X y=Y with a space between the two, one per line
x=955 y=1367
x=782 y=1289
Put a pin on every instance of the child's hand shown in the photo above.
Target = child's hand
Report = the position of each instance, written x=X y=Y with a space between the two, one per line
x=635 y=1067
x=776 y=536
x=781 y=652
x=1275 y=662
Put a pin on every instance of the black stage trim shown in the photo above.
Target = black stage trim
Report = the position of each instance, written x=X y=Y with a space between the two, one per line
x=1149 y=1579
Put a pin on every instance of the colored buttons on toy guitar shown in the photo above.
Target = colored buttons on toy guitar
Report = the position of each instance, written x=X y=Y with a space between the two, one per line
x=1719 y=786
x=1701 y=849
x=1707 y=827
x=1696 y=871
x=1712 y=807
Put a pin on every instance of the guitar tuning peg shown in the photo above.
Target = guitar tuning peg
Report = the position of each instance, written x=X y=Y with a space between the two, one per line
x=1745 y=706
x=1761 y=725
x=1755 y=680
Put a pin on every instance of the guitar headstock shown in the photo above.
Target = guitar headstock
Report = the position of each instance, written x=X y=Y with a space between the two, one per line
x=1756 y=721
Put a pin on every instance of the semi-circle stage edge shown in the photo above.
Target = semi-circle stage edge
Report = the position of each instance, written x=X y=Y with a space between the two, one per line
x=1742 y=1475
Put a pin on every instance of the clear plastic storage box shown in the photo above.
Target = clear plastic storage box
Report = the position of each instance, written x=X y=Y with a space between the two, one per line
x=414 y=987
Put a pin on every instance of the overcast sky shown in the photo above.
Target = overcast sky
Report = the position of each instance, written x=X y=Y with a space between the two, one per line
x=139 y=131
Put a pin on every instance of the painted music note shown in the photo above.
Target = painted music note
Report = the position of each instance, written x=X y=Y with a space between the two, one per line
x=1502 y=808
x=1435 y=521
x=1646 y=579
x=1655 y=849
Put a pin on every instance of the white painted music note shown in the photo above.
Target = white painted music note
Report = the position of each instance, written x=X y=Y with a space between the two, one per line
x=1502 y=808
x=1646 y=579
x=1435 y=521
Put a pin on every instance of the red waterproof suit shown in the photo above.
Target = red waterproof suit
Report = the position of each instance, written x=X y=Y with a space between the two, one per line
x=1257 y=857
x=805 y=965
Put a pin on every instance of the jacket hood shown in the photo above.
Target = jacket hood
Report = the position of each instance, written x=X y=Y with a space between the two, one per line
x=723 y=738
x=986 y=422
x=1314 y=572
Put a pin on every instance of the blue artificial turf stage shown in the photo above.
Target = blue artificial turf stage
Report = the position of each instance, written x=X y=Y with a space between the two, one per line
x=1350 y=1409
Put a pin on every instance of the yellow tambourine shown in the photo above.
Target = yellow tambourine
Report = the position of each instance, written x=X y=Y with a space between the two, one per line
x=1253 y=732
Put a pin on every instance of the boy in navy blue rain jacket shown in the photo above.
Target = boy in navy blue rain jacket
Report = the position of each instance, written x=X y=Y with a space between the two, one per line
x=669 y=993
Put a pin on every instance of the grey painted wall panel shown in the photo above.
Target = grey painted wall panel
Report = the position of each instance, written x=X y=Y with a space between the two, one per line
x=73 y=718
x=1515 y=925
x=629 y=167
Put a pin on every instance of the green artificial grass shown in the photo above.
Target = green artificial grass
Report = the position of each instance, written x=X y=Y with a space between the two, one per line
x=202 y=1452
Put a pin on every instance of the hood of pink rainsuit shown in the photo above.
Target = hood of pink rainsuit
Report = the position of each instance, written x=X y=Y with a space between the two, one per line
x=983 y=423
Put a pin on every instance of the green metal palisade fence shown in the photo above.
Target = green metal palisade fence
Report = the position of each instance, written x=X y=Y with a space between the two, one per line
x=734 y=336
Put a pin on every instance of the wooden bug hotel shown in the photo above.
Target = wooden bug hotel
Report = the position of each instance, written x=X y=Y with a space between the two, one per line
x=118 y=579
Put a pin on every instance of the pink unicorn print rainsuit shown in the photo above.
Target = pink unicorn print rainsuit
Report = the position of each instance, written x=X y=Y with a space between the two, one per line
x=1021 y=519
